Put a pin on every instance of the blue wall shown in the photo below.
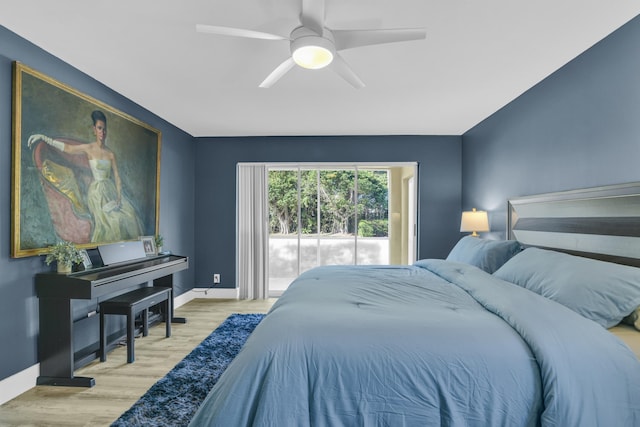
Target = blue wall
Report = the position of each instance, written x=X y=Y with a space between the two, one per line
x=18 y=302
x=216 y=159
x=580 y=127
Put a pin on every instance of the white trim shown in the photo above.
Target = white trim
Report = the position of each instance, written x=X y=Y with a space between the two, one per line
x=221 y=293
x=332 y=165
x=182 y=299
x=13 y=386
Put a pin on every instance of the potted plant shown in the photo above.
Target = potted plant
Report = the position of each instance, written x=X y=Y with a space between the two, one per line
x=159 y=240
x=66 y=254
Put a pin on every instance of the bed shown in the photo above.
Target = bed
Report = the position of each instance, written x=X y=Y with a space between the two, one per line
x=485 y=337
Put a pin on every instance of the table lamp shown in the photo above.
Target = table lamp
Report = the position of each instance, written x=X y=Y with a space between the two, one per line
x=474 y=221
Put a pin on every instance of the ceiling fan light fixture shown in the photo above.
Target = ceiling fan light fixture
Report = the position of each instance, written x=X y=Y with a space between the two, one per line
x=314 y=46
x=311 y=51
x=312 y=57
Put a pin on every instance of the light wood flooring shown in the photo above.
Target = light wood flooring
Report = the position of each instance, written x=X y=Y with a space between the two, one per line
x=118 y=384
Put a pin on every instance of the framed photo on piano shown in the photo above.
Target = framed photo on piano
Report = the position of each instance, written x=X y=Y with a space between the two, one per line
x=86 y=260
x=149 y=244
x=82 y=171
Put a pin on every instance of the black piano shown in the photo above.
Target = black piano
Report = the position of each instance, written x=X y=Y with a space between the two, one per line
x=56 y=292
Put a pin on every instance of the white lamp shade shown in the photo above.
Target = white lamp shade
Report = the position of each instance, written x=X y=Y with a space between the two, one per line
x=474 y=221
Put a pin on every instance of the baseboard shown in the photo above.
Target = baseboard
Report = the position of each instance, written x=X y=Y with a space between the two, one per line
x=182 y=299
x=221 y=293
x=17 y=384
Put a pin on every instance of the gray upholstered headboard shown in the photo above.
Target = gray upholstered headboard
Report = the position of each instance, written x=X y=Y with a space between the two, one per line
x=600 y=222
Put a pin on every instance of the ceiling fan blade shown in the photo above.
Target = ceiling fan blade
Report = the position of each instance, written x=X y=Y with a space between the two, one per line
x=312 y=15
x=237 y=32
x=347 y=39
x=341 y=67
x=276 y=74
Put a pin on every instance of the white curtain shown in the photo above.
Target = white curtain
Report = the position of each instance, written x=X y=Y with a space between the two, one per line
x=253 y=221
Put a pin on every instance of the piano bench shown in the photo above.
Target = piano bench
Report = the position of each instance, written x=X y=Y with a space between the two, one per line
x=130 y=304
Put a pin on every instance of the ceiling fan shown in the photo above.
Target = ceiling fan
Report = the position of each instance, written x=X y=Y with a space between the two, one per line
x=315 y=46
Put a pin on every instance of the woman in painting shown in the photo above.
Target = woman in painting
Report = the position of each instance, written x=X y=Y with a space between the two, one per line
x=114 y=217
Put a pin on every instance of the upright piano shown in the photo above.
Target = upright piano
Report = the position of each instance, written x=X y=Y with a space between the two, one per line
x=56 y=291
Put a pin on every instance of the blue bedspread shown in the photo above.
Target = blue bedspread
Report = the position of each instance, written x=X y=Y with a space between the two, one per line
x=440 y=343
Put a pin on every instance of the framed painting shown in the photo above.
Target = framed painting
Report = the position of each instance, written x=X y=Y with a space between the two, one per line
x=82 y=171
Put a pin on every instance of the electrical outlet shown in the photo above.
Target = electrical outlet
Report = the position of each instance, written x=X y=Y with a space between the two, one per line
x=216 y=278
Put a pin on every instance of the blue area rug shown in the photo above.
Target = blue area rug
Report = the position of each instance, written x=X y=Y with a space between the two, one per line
x=175 y=398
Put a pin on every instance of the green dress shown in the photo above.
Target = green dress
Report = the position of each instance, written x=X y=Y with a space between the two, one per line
x=111 y=223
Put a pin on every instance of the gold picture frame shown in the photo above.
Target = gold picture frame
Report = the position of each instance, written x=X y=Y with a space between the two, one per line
x=82 y=171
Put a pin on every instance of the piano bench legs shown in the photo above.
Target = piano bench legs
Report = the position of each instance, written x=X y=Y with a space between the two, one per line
x=130 y=304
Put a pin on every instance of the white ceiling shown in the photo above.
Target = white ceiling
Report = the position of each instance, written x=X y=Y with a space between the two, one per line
x=477 y=57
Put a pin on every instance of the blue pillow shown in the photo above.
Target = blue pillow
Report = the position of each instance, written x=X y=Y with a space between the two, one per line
x=489 y=255
x=601 y=291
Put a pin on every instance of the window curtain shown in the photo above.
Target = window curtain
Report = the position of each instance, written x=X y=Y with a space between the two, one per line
x=253 y=224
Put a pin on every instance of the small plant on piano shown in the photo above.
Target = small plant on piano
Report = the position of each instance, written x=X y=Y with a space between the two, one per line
x=66 y=254
x=159 y=241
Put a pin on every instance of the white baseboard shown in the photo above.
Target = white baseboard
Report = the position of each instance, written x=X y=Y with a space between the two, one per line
x=222 y=293
x=182 y=299
x=17 y=384
x=22 y=381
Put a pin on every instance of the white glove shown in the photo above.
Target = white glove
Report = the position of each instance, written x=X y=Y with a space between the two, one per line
x=52 y=142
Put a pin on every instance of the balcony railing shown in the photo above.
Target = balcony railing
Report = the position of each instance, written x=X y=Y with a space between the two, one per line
x=323 y=250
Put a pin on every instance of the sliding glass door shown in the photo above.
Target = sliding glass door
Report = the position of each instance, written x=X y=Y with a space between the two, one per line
x=323 y=214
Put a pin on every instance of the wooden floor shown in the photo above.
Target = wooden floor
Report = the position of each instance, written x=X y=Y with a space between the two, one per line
x=118 y=384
